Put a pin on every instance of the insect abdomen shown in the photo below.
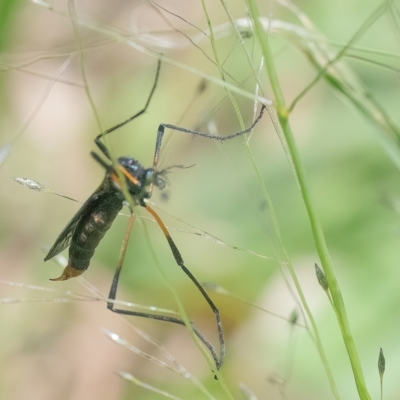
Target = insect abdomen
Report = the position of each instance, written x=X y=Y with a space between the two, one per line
x=88 y=234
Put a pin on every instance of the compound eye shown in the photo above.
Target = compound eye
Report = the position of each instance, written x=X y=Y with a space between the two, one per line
x=160 y=182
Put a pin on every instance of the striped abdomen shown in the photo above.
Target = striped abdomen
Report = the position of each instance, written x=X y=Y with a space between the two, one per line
x=91 y=228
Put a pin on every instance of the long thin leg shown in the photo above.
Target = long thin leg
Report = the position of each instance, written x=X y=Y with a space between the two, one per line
x=180 y=262
x=161 y=128
x=113 y=293
x=101 y=146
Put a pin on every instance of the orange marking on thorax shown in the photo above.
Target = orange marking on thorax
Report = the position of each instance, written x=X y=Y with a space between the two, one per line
x=128 y=175
x=115 y=178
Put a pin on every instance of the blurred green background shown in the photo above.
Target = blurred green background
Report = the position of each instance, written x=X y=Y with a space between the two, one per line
x=53 y=349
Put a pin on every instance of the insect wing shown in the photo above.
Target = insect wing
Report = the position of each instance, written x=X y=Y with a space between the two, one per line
x=64 y=239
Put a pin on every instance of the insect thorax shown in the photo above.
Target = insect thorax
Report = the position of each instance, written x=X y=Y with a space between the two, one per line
x=143 y=179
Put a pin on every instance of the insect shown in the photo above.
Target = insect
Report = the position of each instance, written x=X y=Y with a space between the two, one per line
x=84 y=232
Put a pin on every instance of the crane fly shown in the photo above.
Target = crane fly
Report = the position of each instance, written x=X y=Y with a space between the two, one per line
x=89 y=225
